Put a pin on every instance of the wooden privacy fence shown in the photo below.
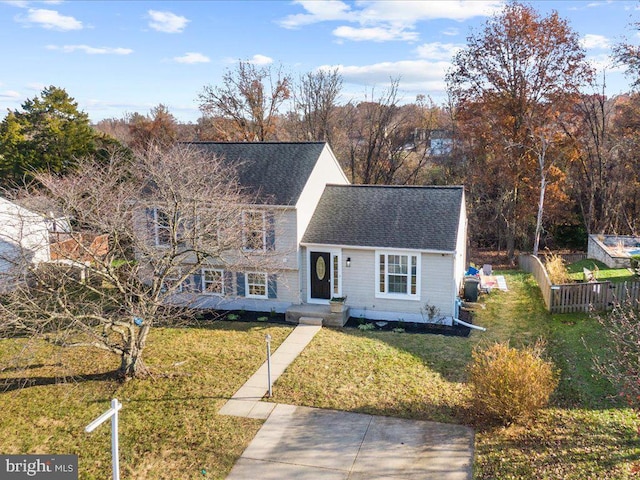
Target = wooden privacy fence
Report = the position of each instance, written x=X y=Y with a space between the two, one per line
x=578 y=297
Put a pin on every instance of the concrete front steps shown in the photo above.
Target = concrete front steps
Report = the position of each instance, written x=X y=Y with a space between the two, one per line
x=312 y=314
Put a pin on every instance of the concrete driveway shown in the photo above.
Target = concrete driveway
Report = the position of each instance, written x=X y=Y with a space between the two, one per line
x=304 y=443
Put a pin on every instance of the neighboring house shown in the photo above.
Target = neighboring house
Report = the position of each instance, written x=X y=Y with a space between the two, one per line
x=24 y=240
x=28 y=238
x=396 y=253
x=440 y=143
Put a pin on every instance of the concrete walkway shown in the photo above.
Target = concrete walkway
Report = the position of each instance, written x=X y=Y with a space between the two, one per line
x=305 y=443
x=246 y=402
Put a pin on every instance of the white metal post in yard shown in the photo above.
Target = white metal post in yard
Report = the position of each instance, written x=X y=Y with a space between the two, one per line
x=268 y=339
x=113 y=414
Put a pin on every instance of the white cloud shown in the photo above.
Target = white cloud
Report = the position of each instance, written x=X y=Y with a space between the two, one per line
x=50 y=19
x=591 y=41
x=401 y=14
x=260 y=60
x=410 y=72
x=167 y=22
x=330 y=10
x=450 y=32
x=604 y=63
x=192 y=57
x=375 y=34
x=10 y=94
x=90 y=50
x=257 y=59
x=438 y=51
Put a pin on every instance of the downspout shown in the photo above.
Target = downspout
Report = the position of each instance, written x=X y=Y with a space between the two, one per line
x=456 y=320
x=468 y=325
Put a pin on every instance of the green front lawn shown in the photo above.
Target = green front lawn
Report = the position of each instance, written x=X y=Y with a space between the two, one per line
x=585 y=433
x=169 y=426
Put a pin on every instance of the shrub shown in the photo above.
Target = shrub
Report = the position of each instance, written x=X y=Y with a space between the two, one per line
x=557 y=269
x=365 y=327
x=635 y=262
x=510 y=385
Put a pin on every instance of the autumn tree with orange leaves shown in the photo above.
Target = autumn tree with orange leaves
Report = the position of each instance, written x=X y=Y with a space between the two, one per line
x=508 y=84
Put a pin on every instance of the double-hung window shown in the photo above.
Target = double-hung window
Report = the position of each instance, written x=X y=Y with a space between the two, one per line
x=254 y=230
x=398 y=275
x=256 y=285
x=160 y=227
x=213 y=281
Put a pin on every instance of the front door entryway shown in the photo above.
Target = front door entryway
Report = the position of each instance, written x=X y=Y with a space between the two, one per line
x=320 y=275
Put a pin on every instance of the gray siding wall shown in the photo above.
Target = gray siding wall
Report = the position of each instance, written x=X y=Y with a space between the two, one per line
x=287 y=285
x=437 y=287
x=327 y=170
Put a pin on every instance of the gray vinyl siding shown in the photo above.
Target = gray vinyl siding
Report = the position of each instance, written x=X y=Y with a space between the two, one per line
x=286 y=237
x=436 y=287
x=287 y=295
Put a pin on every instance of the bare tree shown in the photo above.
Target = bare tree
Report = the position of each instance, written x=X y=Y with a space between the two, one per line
x=167 y=214
x=250 y=97
x=315 y=103
x=376 y=132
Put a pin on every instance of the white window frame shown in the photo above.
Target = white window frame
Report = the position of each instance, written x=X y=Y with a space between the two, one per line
x=157 y=228
x=203 y=279
x=247 y=285
x=245 y=228
x=410 y=256
x=336 y=276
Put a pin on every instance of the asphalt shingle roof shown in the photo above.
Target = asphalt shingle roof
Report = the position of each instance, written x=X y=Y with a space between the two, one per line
x=274 y=171
x=421 y=218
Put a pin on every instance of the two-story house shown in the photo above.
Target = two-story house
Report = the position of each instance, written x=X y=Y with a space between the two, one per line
x=395 y=253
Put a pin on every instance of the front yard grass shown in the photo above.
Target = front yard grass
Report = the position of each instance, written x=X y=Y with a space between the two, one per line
x=584 y=434
x=169 y=426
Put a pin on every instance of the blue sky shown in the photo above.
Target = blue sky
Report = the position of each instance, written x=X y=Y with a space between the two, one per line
x=119 y=57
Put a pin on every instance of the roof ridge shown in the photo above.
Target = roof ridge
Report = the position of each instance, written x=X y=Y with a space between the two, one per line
x=211 y=142
x=359 y=185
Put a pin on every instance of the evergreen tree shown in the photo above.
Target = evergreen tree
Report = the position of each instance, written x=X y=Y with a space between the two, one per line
x=49 y=134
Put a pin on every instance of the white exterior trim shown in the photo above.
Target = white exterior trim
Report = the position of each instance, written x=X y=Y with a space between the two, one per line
x=360 y=247
x=203 y=281
x=245 y=227
x=399 y=296
x=334 y=253
x=266 y=285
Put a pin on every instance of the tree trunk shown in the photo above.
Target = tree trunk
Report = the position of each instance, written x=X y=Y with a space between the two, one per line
x=130 y=365
x=543 y=187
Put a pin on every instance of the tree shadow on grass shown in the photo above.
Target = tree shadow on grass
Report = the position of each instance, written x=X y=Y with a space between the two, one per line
x=10 y=384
